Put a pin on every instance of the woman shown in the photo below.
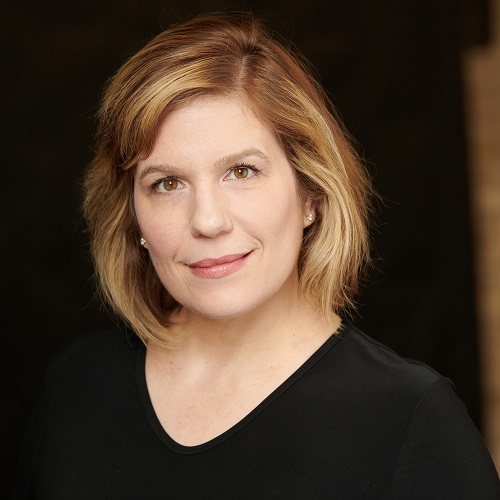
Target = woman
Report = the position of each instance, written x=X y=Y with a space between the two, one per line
x=228 y=216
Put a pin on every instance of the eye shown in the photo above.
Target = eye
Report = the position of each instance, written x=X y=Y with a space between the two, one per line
x=169 y=184
x=242 y=172
x=166 y=184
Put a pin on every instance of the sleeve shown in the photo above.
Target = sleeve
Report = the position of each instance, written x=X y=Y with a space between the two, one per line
x=28 y=452
x=443 y=455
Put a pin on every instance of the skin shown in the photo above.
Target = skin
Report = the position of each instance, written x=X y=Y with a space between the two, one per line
x=218 y=205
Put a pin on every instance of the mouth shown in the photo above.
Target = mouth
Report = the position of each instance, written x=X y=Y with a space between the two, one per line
x=219 y=267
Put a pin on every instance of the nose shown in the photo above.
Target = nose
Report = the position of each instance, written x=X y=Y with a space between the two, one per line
x=210 y=216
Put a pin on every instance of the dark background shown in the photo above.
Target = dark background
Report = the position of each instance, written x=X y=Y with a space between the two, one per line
x=392 y=68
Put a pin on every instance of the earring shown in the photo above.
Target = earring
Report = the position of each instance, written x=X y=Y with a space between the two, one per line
x=142 y=241
x=310 y=217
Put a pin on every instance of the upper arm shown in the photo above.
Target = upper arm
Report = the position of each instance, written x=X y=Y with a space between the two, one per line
x=442 y=454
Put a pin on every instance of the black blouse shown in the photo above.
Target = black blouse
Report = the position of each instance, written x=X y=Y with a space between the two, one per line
x=354 y=421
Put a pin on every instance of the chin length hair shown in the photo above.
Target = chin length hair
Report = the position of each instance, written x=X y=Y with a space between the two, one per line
x=223 y=55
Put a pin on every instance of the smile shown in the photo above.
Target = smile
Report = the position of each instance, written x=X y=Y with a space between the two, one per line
x=220 y=267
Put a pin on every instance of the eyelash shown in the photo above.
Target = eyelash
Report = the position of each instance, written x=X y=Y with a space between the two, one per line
x=154 y=187
x=252 y=168
x=255 y=171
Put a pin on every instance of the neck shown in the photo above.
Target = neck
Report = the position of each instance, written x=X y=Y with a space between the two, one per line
x=276 y=328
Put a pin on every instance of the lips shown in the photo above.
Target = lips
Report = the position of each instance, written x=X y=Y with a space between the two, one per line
x=220 y=267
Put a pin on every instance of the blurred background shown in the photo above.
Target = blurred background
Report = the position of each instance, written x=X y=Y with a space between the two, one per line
x=418 y=86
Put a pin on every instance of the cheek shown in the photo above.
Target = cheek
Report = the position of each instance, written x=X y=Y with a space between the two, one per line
x=279 y=217
x=158 y=228
x=163 y=248
x=163 y=240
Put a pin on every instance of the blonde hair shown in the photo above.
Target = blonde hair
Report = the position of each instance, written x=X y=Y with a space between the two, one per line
x=221 y=55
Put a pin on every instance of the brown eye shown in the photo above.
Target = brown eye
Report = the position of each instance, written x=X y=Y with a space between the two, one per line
x=170 y=184
x=241 y=172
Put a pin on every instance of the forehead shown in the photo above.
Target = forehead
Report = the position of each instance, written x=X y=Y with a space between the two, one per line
x=205 y=110
x=215 y=125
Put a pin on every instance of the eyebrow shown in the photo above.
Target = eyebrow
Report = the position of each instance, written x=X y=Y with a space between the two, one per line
x=170 y=170
x=164 y=169
x=235 y=157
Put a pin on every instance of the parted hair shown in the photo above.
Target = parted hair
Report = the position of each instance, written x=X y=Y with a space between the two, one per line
x=223 y=54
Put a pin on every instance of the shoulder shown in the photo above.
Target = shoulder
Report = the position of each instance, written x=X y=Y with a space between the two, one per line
x=442 y=454
x=96 y=345
x=379 y=390
x=91 y=376
x=438 y=452
x=368 y=362
x=88 y=391
x=92 y=356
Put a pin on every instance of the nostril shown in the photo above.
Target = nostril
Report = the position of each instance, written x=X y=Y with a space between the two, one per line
x=210 y=221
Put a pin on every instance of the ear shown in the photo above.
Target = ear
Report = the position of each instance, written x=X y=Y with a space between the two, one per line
x=309 y=212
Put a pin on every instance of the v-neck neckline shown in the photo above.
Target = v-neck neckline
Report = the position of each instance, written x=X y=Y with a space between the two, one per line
x=163 y=435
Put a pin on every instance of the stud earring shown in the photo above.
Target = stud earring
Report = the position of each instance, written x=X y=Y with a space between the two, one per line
x=310 y=217
x=142 y=241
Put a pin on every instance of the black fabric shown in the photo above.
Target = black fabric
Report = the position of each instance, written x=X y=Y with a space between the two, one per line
x=355 y=421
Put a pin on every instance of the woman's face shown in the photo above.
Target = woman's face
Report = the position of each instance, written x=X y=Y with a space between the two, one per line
x=218 y=205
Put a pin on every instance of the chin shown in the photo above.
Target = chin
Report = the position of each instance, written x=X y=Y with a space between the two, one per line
x=225 y=312
x=223 y=307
